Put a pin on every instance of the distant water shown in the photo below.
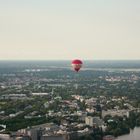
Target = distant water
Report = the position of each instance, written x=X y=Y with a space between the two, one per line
x=134 y=135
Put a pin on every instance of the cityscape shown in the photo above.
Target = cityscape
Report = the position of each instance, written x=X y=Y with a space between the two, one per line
x=48 y=100
x=69 y=70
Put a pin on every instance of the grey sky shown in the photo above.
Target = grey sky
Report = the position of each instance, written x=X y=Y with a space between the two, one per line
x=67 y=29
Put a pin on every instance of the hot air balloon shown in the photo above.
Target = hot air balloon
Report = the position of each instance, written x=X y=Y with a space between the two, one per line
x=77 y=64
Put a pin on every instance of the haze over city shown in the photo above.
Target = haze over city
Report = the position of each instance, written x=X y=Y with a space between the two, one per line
x=69 y=69
x=52 y=29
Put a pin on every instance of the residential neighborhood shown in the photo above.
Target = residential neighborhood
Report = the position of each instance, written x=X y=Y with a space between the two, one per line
x=45 y=104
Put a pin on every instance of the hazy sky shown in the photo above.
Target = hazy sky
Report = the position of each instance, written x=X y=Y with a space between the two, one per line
x=67 y=29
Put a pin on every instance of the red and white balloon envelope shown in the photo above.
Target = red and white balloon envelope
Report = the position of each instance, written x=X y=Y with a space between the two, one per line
x=76 y=64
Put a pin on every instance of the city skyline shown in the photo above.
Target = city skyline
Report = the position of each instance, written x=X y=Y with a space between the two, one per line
x=53 y=30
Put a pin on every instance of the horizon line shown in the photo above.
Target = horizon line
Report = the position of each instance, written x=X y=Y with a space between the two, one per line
x=69 y=59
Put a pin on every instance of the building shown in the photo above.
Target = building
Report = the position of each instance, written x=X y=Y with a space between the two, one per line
x=40 y=94
x=35 y=133
x=97 y=121
x=89 y=120
x=22 y=138
x=13 y=97
x=115 y=112
x=84 y=132
x=4 y=137
x=109 y=137
x=53 y=137
x=73 y=135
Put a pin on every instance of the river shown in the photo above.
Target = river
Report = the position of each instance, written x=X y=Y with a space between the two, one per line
x=134 y=135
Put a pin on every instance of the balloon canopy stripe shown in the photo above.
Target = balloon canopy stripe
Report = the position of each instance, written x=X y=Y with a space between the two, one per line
x=77 y=64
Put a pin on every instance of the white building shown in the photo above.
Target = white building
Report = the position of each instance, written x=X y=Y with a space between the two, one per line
x=40 y=94
x=14 y=96
x=89 y=120
x=115 y=113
